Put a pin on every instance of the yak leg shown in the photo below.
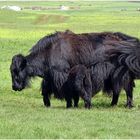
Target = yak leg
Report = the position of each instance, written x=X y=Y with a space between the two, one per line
x=67 y=94
x=116 y=93
x=88 y=88
x=118 y=82
x=45 y=93
x=115 y=98
x=87 y=100
x=129 y=94
x=86 y=96
x=68 y=99
x=76 y=100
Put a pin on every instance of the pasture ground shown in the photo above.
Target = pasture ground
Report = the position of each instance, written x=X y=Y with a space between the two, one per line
x=22 y=114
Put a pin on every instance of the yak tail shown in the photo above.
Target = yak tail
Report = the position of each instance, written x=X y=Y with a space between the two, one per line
x=127 y=54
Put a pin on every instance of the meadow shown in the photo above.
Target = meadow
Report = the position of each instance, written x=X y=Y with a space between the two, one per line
x=22 y=114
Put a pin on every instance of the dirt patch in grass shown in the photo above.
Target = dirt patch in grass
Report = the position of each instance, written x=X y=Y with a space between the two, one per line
x=43 y=19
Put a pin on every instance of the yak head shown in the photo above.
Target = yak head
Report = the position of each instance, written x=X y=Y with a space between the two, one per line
x=19 y=72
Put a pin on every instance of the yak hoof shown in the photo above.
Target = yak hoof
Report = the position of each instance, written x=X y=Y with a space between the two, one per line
x=47 y=105
x=69 y=106
x=87 y=105
x=76 y=106
x=113 y=104
x=129 y=105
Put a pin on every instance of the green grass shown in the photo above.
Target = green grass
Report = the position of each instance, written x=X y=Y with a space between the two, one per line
x=22 y=114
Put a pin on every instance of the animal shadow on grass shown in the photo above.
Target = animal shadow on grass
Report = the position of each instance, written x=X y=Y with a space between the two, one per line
x=96 y=104
x=106 y=105
x=102 y=103
x=58 y=107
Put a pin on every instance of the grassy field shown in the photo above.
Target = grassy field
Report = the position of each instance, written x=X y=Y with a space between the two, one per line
x=22 y=114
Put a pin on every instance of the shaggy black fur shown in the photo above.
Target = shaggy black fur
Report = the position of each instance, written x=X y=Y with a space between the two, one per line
x=78 y=84
x=126 y=57
x=53 y=56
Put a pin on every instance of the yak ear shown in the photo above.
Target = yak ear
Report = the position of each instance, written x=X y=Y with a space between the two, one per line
x=23 y=63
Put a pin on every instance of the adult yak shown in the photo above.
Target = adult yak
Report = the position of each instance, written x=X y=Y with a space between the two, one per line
x=53 y=56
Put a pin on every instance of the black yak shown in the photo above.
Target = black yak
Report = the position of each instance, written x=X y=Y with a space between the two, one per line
x=53 y=56
x=78 y=84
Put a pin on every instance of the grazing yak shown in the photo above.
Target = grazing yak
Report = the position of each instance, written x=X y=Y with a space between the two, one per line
x=53 y=56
